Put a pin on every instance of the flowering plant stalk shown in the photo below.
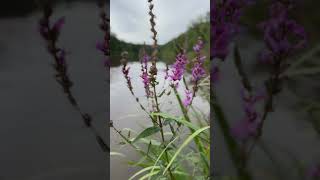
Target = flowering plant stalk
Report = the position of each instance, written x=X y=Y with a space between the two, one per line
x=166 y=149
x=50 y=33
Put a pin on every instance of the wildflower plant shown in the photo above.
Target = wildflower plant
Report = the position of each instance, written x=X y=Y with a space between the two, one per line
x=174 y=147
x=283 y=39
x=50 y=32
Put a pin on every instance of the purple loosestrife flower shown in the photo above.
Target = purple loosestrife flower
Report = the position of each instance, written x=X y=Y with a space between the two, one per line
x=61 y=55
x=283 y=36
x=50 y=31
x=199 y=46
x=145 y=75
x=50 y=34
x=221 y=40
x=248 y=126
x=125 y=70
x=225 y=15
x=187 y=101
x=103 y=46
x=57 y=26
x=178 y=68
x=245 y=129
x=198 y=71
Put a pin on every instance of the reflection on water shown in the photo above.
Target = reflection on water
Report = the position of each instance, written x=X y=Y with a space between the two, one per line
x=125 y=112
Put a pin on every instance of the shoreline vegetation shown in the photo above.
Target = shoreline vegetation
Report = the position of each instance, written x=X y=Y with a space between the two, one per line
x=167 y=51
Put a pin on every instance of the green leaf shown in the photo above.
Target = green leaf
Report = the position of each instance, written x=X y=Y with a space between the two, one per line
x=142 y=171
x=184 y=144
x=117 y=154
x=163 y=115
x=147 y=141
x=176 y=119
x=147 y=132
x=159 y=157
x=140 y=163
x=149 y=175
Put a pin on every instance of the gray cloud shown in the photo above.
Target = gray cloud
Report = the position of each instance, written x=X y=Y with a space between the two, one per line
x=130 y=20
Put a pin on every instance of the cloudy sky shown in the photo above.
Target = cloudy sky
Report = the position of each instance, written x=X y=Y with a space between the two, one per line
x=130 y=20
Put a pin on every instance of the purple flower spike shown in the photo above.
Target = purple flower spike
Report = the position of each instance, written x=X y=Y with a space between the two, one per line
x=145 y=75
x=225 y=17
x=61 y=57
x=245 y=129
x=101 y=47
x=198 y=72
x=187 y=101
x=199 y=46
x=178 y=68
x=248 y=126
x=282 y=36
x=145 y=79
x=221 y=40
x=58 y=24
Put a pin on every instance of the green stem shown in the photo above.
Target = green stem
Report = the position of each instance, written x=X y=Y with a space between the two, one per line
x=161 y=130
x=196 y=139
x=132 y=145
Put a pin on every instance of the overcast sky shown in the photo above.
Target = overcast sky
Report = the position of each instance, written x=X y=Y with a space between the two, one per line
x=130 y=20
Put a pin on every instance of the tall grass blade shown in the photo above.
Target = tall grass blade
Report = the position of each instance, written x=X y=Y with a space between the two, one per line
x=184 y=144
x=142 y=171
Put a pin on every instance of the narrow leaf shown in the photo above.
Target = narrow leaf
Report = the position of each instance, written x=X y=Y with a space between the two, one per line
x=142 y=171
x=147 y=132
x=117 y=154
x=184 y=144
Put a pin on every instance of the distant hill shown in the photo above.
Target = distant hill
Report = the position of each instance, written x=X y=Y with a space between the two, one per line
x=167 y=52
x=117 y=46
x=187 y=40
